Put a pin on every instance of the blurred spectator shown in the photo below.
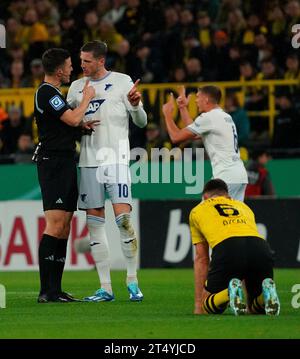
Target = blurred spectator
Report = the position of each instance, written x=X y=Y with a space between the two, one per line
x=172 y=49
x=236 y=25
x=239 y=116
x=120 y=59
x=194 y=71
x=225 y=8
x=32 y=35
x=277 y=37
x=292 y=9
x=152 y=9
x=293 y=72
x=145 y=66
x=269 y=70
x=286 y=124
x=24 y=150
x=252 y=27
x=130 y=23
x=205 y=31
x=71 y=40
x=235 y=60
x=12 y=129
x=54 y=34
x=187 y=24
x=109 y=34
x=16 y=53
x=16 y=79
x=218 y=56
x=116 y=12
x=74 y=9
x=47 y=11
x=17 y=9
x=262 y=48
x=3 y=117
x=252 y=93
x=36 y=76
x=91 y=30
x=13 y=27
x=178 y=74
x=259 y=178
x=2 y=80
x=191 y=48
x=102 y=7
x=277 y=22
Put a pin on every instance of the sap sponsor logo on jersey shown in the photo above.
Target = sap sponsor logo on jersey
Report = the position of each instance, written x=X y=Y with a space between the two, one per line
x=93 y=106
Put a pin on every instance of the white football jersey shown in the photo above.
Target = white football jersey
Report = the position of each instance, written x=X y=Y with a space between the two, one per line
x=220 y=140
x=109 y=143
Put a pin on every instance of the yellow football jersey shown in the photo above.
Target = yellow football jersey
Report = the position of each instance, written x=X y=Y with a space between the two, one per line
x=219 y=218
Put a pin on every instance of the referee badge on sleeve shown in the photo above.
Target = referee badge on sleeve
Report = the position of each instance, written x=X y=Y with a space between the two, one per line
x=56 y=102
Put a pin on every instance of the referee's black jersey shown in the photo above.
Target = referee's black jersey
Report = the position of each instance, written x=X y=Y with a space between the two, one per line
x=54 y=134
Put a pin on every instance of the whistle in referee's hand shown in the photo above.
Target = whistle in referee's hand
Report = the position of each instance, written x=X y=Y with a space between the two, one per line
x=36 y=152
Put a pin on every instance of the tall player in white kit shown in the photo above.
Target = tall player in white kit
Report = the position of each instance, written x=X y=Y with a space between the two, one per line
x=218 y=133
x=104 y=163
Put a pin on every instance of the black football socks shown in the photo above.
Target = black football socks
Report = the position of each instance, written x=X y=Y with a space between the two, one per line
x=59 y=263
x=47 y=250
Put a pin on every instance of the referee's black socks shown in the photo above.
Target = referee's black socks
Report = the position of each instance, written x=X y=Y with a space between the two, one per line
x=47 y=250
x=52 y=256
x=59 y=262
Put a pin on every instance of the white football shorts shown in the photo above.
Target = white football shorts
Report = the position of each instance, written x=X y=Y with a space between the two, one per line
x=114 y=181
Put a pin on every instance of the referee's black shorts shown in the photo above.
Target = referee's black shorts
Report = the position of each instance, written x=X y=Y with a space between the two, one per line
x=58 y=181
x=246 y=258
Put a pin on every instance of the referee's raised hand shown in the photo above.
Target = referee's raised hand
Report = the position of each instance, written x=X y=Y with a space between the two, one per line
x=88 y=91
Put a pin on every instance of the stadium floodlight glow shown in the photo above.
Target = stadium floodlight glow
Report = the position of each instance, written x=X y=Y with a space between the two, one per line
x=2 y=37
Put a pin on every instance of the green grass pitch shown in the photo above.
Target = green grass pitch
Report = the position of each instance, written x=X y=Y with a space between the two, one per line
x=166 y=312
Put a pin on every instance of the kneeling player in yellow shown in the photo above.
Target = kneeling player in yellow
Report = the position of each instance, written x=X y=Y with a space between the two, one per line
x=239 y=253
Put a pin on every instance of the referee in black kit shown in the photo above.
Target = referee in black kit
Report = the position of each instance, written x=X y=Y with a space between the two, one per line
x=56 y=166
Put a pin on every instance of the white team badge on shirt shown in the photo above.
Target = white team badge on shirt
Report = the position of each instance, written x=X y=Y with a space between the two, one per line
x=107 y=87
x=56 y=102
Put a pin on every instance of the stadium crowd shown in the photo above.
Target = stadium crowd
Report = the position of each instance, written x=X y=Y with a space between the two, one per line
x=159 y=42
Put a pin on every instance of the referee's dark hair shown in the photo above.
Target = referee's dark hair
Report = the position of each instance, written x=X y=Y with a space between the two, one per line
x=213 y=92
x=54 y=58
x=215 y=186
x=97 y=48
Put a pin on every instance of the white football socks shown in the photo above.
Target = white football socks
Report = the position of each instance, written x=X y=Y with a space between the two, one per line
x=128 y=245
x=100 y=250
